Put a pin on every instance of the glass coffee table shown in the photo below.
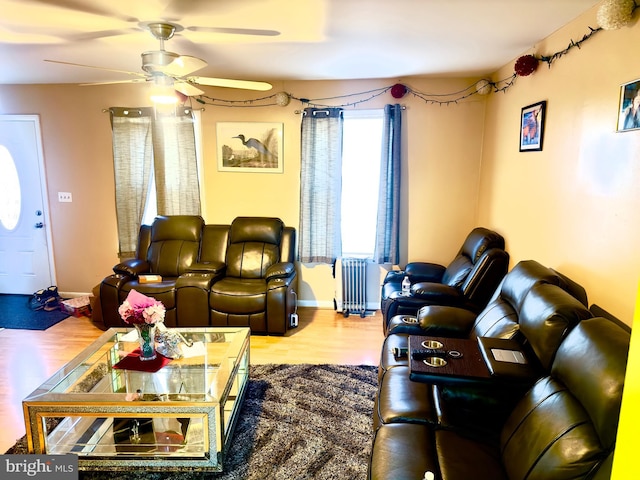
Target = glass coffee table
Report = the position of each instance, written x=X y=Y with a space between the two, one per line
x=116 y=417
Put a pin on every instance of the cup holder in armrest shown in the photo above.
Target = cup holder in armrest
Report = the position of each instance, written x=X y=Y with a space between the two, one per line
x=410 y=320
x=435 y=361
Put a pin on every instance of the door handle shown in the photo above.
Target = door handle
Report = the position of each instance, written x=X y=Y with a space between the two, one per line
x=39 y=225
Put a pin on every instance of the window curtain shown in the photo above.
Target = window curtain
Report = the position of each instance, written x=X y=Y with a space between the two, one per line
x=175 y=165
x=320 y=185
x=148 y=144
x=132 y=161
x=388 y=224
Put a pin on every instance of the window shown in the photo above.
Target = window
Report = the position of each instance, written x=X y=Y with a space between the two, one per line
x=361 y=154
x=10 y=196
x=156 y=171
x=321 y=185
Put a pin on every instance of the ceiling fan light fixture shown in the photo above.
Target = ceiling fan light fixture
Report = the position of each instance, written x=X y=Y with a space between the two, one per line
x=163 y=91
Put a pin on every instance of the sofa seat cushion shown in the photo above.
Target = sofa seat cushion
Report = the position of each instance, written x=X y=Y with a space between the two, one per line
x=403 y=451
x=465 y=458
x=239 y=295
x=401 y=400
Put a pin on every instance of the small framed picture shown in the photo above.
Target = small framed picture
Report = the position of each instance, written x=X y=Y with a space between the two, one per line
x=532 y=127
x=629 y=109
x=249 y=147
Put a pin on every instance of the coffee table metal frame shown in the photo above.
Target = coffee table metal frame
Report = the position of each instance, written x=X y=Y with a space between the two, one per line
x=75 y=409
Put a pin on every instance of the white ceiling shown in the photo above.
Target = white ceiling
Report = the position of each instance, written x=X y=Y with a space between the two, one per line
x=319 y=39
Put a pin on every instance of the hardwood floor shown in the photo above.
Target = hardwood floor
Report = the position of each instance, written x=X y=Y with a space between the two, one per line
x=29 y=357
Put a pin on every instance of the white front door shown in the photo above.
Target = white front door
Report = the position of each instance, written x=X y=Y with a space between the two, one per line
x=26 y=260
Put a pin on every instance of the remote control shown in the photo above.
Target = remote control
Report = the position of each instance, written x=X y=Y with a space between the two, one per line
x=422 y=353
x=399 y=352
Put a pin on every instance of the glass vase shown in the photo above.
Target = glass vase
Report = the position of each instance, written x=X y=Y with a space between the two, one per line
x=146 y=337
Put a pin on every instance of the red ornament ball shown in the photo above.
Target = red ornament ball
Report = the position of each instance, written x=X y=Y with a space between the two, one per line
x=526 y=65
x=398 y=90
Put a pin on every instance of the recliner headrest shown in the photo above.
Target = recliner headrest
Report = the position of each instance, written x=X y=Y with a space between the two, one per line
x=591 y=363
x=479 y=241
x=521 y=278
x=547 y=315
x=573 y=288
x=256 y=229
x=177 y=227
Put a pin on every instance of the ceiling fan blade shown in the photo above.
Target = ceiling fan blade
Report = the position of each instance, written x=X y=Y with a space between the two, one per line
x=229 y=83
x=187 y=89
x=183 y=65
x=236 y=31
x=133 y=80
x=85 y=36
x=85 y=7
x=136 y=74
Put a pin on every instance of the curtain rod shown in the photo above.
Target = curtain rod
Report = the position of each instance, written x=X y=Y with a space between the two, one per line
x=298 y=112
x=139 y=112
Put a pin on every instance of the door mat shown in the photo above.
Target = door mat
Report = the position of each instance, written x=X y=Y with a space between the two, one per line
x=16 y=314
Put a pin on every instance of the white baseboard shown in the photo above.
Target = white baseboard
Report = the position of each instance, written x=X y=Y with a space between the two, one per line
x=324 y=304
x=316 y=304
x=75 y=294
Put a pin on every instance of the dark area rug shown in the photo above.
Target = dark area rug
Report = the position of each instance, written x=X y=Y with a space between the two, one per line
x=298 y=422
x=15 y=313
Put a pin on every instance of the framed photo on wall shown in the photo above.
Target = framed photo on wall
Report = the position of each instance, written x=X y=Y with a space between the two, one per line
x=250 y=147
x=532 y=127
x=629 y=108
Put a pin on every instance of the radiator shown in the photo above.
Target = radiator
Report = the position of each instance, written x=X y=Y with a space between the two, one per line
x=351 y=285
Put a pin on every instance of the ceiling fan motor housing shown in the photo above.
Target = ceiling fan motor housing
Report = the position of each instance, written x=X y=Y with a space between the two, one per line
x=155 y=60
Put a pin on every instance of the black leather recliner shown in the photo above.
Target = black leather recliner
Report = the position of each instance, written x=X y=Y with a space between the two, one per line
x=499 y=319
x=467 y=282
x=543 y=318
x=563 y=428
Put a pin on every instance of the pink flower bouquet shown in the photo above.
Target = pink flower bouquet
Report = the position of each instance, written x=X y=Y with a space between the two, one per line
x=139 y=309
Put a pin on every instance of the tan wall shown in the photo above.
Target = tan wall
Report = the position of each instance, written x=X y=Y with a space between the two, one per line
x=440 y=170
x=573 y=206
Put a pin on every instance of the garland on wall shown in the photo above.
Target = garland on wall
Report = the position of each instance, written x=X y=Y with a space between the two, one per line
x=612 y=15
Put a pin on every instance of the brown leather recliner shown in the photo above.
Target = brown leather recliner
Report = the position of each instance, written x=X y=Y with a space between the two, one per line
x=252 y=258
x=167 y=248
x=258 y=288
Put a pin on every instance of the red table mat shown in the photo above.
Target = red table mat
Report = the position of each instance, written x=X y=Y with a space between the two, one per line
x=132 y=362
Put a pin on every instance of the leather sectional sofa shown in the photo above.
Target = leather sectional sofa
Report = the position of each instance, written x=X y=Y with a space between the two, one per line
x=557 y=420
x=241 y=274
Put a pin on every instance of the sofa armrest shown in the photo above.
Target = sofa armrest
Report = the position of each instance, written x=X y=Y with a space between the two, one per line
x=424 y=272
x=417 y=272
x=279 y=270
x=436 y=293
x=214 y=268
x=132 y=267
x=445 y=321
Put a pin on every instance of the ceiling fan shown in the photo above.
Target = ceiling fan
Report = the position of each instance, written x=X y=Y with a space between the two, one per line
x=169 y=71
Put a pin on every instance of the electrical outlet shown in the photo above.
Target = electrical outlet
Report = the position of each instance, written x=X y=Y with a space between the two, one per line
x=65 y=197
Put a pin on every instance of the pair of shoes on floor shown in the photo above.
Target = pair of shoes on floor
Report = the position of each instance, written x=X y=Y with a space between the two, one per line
x=47 y=299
